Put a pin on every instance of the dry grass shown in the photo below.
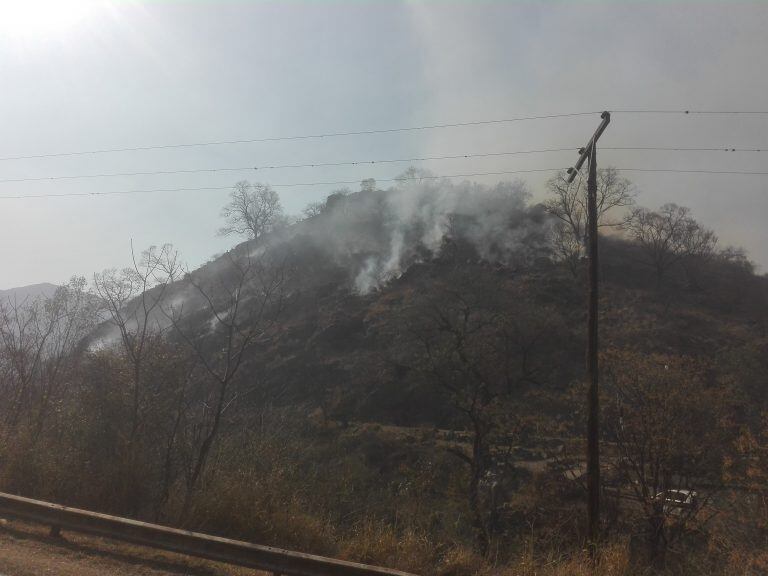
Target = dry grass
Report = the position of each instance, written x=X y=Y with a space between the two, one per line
x=362 y=496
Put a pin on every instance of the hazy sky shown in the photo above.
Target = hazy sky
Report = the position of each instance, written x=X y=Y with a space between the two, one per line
x=91 y=75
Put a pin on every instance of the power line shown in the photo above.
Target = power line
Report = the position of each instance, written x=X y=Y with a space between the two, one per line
x=114 y=174
x=679 y=171
x=369 y=132
x=710 y=112
x=279 y=185
x=399 y=179
x=365 y=162
x=682 y=149
x=298 y=137
x=282 y=166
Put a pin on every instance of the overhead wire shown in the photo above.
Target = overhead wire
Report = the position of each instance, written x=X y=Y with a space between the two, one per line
x=379 y=161
x=683 y=149
x=374 y=131
x=298 y=137
x=683 y=171
x=279 y=185
x=678 y=111
x=398 y=179
x=284 y=166
x=364 y=162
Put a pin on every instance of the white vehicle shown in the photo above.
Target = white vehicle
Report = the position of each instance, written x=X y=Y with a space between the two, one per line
x=678 y=500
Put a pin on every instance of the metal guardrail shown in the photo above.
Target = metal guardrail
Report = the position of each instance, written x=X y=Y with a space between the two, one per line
x=275 y=560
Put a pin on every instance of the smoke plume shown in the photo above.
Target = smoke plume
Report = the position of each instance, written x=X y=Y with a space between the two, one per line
x=377 y=234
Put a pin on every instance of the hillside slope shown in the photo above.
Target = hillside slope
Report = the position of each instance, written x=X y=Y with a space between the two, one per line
x=21 y=293
x=343 y=349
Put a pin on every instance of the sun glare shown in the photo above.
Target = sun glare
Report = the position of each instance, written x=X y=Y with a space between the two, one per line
x=36 y=18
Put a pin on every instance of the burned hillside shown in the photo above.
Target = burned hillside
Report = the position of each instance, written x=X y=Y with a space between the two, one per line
x=413 y=355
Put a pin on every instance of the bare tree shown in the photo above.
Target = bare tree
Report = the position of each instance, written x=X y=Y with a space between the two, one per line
x=132 y=299
x=480 y=359
x=667 y=423
x=569 y=205
x=368 y=185
x=253 y=209
x=567 y=247
x=24 y=329
x=446 y=338
x=38 y=339
x=669 y=236
x=313 y=209
x=520 y=334
x=243 y=306
x=75 y=313
x=413 y=173
x=751 y=469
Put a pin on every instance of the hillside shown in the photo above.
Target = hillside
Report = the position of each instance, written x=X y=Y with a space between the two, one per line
x=398 y=379
x=333 y=337
x=21 y=293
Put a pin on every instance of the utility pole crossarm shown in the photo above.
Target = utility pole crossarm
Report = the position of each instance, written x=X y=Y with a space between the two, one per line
x=584 y=152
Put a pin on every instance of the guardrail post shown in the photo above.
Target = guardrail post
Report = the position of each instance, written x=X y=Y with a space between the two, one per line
x=55 y=531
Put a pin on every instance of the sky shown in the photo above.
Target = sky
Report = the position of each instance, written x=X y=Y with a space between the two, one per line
x=81 y=75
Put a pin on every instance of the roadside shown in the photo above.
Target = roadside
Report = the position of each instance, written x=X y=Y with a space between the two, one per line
x=28 y=550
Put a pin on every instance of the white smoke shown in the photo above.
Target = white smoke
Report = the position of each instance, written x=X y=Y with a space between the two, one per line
x=421 y=215
x=378 y=234
x=368 y=277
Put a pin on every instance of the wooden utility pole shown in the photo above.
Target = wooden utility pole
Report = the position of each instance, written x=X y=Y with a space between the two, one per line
x=593 y=399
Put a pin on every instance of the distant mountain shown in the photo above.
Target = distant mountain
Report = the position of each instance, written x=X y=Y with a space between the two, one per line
x=30 y=292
